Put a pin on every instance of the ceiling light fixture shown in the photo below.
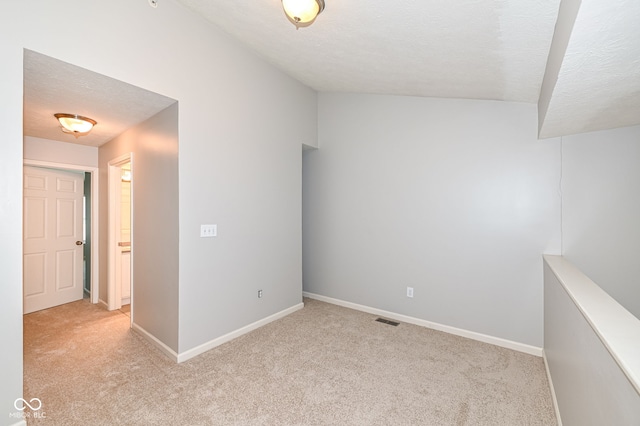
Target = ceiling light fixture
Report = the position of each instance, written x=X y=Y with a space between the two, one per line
x=75 y=124
x=302 y=13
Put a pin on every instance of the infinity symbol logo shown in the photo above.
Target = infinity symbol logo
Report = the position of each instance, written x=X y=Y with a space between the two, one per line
x=35 y=407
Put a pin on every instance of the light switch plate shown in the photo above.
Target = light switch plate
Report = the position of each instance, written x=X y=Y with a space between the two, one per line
x=208 y=231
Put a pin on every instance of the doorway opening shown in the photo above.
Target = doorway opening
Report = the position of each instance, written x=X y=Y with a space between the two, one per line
x=120 y=245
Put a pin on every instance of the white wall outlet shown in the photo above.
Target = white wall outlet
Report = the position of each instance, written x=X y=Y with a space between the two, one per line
x=208 y=231
x=409 y=291
x=259 y=294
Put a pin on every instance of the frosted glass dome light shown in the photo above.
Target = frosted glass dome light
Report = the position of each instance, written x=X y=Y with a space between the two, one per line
x=302 y=13
x=75 y=124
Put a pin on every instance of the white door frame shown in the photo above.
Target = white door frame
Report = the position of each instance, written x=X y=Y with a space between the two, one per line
x=114 y=261
x=95 y=243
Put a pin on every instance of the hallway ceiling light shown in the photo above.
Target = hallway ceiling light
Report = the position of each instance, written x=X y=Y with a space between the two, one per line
x=75 y=124
x=302 y=13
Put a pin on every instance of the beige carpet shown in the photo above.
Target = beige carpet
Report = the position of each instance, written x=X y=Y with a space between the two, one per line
x=322 y=365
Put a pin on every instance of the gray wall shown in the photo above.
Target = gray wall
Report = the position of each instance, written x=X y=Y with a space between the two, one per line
x=454 y=198
x=590 y=387
x=241 y=126
x=242 y=172
x=154 y=144
x=601 y=210
x=11 y=238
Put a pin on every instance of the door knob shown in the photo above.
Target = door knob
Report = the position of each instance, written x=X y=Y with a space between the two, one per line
x=79 y=243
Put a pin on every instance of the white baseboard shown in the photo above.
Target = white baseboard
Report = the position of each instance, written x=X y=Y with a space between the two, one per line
x=497 y=341
x=183 y=356
x=553 y=391
x=103 y=303
x=155 y=342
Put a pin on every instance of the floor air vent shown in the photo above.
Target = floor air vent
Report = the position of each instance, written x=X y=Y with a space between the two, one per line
x=386 y=321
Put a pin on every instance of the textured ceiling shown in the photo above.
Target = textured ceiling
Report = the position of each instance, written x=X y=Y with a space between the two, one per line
x=52 y=86
x=474 y=49
x=477 y=49
x=598 y=86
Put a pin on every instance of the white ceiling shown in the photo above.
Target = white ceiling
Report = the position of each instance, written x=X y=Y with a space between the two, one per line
x=474 y=49
x=52 y=86
x=478 y=49
x=598 y=86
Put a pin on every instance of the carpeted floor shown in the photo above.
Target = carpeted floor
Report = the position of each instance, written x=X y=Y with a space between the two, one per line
x=322 y=365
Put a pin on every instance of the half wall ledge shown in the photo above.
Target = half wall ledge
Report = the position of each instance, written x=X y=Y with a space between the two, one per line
x=591 y=347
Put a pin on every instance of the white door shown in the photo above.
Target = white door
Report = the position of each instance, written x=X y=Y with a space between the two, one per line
x=53 y=252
